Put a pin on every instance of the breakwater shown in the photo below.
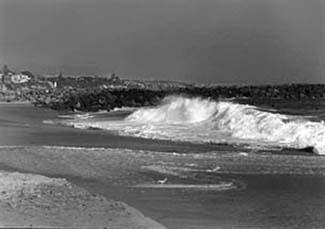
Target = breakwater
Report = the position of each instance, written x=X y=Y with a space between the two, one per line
x=94 y=99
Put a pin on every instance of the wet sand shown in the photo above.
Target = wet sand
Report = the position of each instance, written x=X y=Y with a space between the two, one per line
x=267 y=190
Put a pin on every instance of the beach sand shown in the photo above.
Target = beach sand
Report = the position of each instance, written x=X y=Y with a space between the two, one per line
x=29 y=200
x=94 y=176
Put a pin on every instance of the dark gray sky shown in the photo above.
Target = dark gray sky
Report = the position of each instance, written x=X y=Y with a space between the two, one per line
x=207 y=41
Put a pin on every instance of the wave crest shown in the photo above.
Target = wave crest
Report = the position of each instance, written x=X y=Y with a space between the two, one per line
x=204 y=120
x=240 y=121
x=176 y=110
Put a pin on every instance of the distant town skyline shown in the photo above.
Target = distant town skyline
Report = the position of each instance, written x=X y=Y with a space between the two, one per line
x=206 y=41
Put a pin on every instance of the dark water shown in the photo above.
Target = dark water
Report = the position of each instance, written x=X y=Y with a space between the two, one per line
x=267 y=201
x=313 y=108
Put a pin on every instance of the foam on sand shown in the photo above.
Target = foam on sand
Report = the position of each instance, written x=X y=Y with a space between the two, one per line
x=216 y=187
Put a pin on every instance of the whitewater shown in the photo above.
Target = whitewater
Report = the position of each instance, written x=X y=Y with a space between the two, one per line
x=199 y=120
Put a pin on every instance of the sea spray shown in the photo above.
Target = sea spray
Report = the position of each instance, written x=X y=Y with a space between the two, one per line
x=177 y=110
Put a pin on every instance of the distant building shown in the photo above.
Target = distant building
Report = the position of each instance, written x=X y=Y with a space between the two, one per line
x=5 y=70
x=19 y=78
x=29 y=74
x=10 y=77
x=114 y=78
x=6 y=78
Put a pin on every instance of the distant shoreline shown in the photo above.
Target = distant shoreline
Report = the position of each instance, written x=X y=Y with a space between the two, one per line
x=94 y=94
x=15 y=102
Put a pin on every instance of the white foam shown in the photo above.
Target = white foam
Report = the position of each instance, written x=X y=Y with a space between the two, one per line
x=74 y=148
x=177 y=110
x=247 y=122
x=216 y=187
x=77 y=116
x=204 y=120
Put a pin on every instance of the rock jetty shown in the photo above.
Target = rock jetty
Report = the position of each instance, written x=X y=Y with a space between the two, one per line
x=95 y=99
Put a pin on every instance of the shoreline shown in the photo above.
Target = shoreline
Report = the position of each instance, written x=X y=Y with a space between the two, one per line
x=16 y=102
x=114 y=173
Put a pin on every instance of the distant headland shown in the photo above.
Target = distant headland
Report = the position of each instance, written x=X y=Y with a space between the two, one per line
x=93 y=93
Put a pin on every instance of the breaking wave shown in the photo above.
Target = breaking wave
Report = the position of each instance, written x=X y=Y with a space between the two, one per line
x=204 y=120
x=177 y=110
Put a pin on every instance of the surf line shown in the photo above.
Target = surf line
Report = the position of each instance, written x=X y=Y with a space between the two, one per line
x=217 y=187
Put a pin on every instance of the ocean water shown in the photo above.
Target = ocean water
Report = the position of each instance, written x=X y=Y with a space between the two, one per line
x=229 y=163
x=198 y=120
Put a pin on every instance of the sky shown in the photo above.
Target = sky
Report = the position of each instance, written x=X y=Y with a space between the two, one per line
x=203 y=41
